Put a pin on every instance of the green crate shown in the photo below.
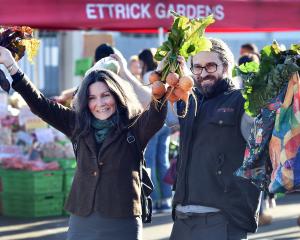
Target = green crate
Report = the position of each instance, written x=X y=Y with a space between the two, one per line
x=32 y=205
x=32 y=182
x=64 y=163
x=68 y=179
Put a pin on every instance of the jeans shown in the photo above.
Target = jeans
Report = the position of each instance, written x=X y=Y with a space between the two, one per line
x=157 y=159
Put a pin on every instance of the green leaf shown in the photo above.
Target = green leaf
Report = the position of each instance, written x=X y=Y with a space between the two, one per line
x=275 y=69
x=275 y=47
x=296 y=48
x=160 y=54
x=202 y=44
x=186 y=38
x=249 y=67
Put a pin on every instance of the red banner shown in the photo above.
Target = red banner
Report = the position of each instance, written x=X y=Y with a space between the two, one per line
x=130 y=15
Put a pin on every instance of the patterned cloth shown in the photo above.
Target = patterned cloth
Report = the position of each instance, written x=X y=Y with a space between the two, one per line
x=278 y=128
x=256 y=164
x=285 y=143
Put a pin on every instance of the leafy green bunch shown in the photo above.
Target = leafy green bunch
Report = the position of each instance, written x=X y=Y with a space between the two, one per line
x=17 y=39
x=264 y=81
x=186 y=38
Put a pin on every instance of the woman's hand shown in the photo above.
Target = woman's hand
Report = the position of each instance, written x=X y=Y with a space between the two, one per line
x=6 y=58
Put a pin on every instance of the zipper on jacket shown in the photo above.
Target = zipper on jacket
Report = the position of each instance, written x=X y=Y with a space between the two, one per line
x=188 y=165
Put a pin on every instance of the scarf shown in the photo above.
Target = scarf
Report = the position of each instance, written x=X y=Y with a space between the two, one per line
x=102 y=127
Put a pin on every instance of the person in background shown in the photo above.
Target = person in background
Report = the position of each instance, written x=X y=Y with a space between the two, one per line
x=249 y=57
x=102 y=51
x=249 y=48
x=147 y=63
x=134 y=66
x=157 y=151
x=246 y=58
x=104 y=200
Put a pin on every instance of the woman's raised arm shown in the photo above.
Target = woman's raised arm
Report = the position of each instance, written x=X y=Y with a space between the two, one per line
x=53 y=113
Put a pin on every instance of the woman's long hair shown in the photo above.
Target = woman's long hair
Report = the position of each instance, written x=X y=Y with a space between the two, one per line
x=149 y=63
x=128 y=106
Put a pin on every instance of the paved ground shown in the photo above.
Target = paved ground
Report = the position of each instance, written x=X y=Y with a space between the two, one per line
x=283 y=227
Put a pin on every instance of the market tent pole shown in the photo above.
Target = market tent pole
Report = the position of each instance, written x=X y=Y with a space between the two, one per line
x=160 y=36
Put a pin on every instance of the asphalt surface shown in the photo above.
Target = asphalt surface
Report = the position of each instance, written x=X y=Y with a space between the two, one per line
x=284 y=225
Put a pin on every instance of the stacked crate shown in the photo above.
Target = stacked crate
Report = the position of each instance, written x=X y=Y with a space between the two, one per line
x=32 y=193
x=68 y=166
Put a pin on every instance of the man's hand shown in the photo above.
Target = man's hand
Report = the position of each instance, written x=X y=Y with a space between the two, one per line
x=183 y=65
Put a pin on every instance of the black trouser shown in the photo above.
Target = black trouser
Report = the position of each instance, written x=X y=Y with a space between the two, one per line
x=205 y=226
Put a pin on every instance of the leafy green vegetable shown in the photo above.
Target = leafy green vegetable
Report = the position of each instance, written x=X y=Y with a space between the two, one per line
x=186 y=38
x=264 y=81
x=18 y=39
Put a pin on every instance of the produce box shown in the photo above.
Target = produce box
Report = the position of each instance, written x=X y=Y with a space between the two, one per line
x=32 y=205
x=31 y=182
x=64 y=163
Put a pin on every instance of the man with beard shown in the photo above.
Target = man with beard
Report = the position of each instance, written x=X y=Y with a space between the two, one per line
x=209 y=201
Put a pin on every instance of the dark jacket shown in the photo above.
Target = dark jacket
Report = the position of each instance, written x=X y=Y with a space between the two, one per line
x=211 y=149
x=108 y=180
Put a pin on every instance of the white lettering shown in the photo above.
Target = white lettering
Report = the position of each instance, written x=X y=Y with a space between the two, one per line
x=120 y=11
x=181 y=9
x=209 y=10
x=110 y=9
x=144 y=10
x=160 y=11
x=132 y=11
x=219 y=12
x=90 y=11
x=201 y=11
x=191 y=11
x=127 y=11
x=170 y=8
x=100 y=10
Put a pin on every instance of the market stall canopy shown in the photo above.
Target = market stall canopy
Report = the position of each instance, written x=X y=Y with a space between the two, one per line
x=147 y=16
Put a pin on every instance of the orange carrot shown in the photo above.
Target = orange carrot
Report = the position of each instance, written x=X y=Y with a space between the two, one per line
x=154 y=76
x=170 y=96
x=172 y=79
x=181 y=94
x=186 y=83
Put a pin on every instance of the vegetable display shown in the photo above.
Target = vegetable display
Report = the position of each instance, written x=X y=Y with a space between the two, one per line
x=264 y=81
x=17 y=39
x=186 y=38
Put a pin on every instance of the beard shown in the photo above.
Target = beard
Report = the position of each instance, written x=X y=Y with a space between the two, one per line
x=207 y=85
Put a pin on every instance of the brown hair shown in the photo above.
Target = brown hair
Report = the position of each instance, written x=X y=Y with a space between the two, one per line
x=128 y=105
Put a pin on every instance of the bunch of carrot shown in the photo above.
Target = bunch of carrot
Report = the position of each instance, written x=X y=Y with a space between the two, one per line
x=176 y=87
x=185 y=39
